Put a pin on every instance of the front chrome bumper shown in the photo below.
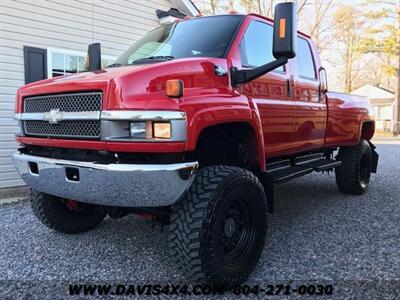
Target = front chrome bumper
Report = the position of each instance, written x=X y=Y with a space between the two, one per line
x=127 y=185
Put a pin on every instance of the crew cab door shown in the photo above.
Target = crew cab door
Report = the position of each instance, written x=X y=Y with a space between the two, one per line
x=309 y=106
x=270 y=91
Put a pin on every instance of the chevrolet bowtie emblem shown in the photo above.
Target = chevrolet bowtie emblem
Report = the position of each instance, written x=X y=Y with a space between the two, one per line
x=53 y=116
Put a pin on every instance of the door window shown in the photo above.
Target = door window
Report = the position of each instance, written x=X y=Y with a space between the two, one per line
x=305 y=61
x=256 y=46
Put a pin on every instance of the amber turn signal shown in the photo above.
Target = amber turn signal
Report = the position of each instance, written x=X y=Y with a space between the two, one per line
x=282 y=28
x=162 y=130
x=174 y=88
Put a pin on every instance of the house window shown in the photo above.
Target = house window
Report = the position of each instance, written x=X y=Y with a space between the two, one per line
x=383 y=112
x=62 y=62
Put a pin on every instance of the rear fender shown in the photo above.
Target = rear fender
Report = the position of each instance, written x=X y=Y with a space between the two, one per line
x=367 y=130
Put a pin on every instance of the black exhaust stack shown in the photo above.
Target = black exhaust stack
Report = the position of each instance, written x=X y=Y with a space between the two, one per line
x=94 y=57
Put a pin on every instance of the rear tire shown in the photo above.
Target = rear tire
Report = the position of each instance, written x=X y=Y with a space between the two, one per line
x=353 y=176
x=217 y=231
x=61 y=215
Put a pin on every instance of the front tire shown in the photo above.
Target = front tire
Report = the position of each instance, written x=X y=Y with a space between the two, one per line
x=353 y=176
x=217 y=231
x=66 y=216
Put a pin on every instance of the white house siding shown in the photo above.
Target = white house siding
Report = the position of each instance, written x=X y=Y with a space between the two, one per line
x=60 y=24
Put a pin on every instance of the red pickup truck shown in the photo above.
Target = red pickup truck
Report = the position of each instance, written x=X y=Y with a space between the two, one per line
x=192 y=126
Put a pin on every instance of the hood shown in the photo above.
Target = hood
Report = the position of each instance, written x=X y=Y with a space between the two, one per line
x=138 y=86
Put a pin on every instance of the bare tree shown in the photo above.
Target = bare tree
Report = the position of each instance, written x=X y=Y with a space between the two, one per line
x=250 y=5
x=349 y=26
x=301 y=4
x=397 y=100
x=270 y=8
x=317 y=26
x=231 y=5
x=386 y=42
x=214 y=4
x=208 y=6
x=393 y=41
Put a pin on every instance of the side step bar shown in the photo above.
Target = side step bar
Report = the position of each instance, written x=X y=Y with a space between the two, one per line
x=289 y=169
x=324 y=164
x=290 y=173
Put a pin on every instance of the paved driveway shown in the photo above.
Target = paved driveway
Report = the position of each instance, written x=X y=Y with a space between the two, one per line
x=316 y=234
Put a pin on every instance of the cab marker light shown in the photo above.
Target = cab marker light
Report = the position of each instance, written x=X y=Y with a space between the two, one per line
x=174 y=88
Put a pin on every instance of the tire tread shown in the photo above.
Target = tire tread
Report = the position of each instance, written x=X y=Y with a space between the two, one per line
x=347 y=175
x=48 y=212
x=186 y=228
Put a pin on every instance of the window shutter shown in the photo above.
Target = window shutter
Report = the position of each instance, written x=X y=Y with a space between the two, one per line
x=35 y=61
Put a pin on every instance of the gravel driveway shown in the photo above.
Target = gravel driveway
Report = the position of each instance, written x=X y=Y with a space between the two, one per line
x=316 y=235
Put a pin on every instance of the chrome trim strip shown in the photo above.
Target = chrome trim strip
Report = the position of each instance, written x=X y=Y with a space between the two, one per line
x=65 y=116
x=129 y=115
x=133 y=115
x=63 y=95
x=128 y=185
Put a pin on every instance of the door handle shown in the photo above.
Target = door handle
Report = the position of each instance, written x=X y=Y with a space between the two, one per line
x=288 y=88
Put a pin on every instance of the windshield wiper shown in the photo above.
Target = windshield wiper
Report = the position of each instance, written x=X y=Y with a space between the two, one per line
x=156 y=57
x=114 y=65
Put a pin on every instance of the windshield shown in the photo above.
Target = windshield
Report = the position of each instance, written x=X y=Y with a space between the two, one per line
x=198 y=37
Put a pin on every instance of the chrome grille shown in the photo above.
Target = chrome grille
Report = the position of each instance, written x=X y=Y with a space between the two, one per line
x=64 y=102
x=72 y=102
x=66 y=129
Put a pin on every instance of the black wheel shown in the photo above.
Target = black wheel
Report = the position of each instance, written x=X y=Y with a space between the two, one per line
x=353 y=176
x=66 y=216
x=217 y=232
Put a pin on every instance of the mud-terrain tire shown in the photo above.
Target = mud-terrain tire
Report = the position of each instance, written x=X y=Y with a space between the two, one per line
x=353 y=176
x=63 y=216
x=217 y=231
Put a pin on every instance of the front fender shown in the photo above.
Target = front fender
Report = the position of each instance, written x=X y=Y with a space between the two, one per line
x=223 y=114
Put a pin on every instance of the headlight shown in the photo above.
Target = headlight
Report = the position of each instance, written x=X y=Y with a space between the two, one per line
x=143 y=126
x=150 y=129
x=141 y=130
x=162 y=130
